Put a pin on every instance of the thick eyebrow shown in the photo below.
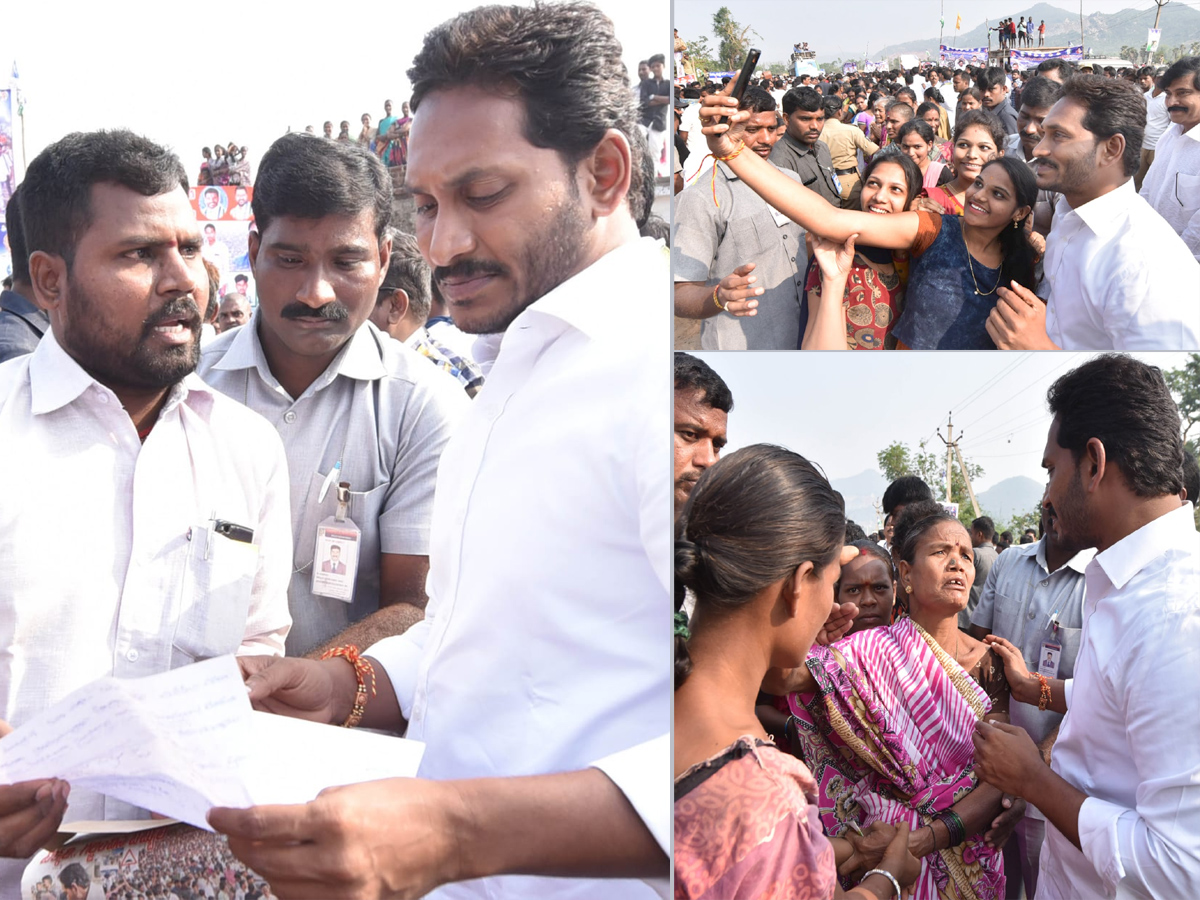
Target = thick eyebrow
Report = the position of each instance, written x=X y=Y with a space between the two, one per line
x=340 y=250
x=141 y=240
x=472 y=174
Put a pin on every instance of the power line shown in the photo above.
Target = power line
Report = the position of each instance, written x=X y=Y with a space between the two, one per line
x=986 y=386
x=1020 y=393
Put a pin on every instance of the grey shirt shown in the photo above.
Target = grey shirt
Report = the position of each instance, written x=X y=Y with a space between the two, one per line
x=1018 y=598
x=985 y=555
x=812 y=163
x=21 y=325
x=709 y=240
x=1007 y=115
x=386 y=414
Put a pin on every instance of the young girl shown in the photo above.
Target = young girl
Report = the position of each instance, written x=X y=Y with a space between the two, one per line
x=917 y=141
x=868 y=581
x=978 y=139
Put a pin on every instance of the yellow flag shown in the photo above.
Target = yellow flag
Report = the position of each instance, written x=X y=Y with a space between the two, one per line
x=958 y=23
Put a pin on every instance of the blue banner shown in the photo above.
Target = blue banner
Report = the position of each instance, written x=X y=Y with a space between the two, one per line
x=975 y=55
x=1022 y=59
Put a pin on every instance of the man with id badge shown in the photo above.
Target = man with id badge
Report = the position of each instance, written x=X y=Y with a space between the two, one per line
x=1033 y=599
x=363 y=419
x=738 y=263
x=137 y=534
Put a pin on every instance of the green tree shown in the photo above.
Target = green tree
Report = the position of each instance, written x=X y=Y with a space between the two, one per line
x=898 y=459
x=702 y=56
x=1184 y=384
x=1019 y=522
x=1130 y=53
x=734 y=38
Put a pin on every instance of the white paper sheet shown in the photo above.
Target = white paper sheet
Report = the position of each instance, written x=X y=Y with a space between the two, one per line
x=184 y=741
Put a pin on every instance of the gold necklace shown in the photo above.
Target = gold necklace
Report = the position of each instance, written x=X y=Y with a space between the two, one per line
x=971 y=266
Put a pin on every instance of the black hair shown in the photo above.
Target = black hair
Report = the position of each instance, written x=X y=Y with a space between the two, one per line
x=409 y=272
x=1191 y=478
x=833 y=107
x=310 y=178
x=907 y=92
x=1019 y=256
x=656 y=58
x=916 y=519
x=982 y=118
x=905 y=489
x=854 y=532
x=896 y=156
x=751 y=519
x=985 y=526
x=1041 y=93
x=74 y=875
x=872 y=548
x=757 y=101
x=1065 y=69
x=16 y=237
x=56 y=208
x=1126 y=404
x=1148 y=70
x=916 y=126
x=1182 y=67
x=1112 y=106
x=565 y=62
x=802 y=98
x=695 y=374
x=990 y=78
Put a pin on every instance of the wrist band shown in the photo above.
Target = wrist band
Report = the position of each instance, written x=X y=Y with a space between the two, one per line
x=362 y=669
x=733 y=155
x=1044 y=699
x=718 y=302
x=888 y=875
x=954 y=826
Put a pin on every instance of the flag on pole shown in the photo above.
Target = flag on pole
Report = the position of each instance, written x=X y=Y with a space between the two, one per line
x=958 y=23
x=15 y=75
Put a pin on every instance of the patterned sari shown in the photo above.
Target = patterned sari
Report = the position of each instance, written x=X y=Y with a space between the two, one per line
x=746 y=828
x=887 y=735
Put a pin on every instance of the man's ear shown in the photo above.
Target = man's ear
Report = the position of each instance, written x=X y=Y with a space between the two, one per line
x=605 y=173
x=397 y=305
x=1093 y=464
x=48 y=275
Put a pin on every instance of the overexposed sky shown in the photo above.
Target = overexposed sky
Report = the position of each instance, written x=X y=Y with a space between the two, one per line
x=841 y=409
x=193 y=74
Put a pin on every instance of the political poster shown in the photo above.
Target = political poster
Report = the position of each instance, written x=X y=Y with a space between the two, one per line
x=227 y=218
x=1031 y=59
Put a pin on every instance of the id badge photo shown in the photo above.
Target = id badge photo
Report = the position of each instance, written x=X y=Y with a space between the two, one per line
x=335 y=552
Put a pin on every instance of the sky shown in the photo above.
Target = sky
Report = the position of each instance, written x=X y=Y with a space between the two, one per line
x=840 y=409
x=190 y=75
x=876 y=23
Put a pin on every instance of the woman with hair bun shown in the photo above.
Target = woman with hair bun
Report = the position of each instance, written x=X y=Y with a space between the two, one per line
x=760 y=546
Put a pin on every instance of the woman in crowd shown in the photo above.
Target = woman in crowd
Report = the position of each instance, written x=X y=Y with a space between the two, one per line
x=366 y=136
x=970 y=99
x=878 y=131
x=869 y=280
x=935 y=116
x=868 y=581
x=978 y=139
x=760 y=543
x=885 y=717
x=976 y=268
x=219 y=167
x=919 y=144
x=205 y=176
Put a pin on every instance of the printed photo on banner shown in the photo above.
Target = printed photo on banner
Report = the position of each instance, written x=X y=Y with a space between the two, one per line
x=227 y=217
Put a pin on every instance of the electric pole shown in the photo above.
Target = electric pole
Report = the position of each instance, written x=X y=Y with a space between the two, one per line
x=953 y=453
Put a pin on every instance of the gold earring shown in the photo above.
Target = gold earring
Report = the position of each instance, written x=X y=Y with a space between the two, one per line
x=908 y=589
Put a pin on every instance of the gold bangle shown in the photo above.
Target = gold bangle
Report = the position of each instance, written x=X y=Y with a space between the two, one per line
x=717 y=302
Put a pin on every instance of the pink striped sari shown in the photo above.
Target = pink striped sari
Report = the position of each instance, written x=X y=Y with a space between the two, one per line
x=887 y=735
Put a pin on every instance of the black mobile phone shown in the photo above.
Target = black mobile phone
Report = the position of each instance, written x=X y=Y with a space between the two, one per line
x=743 y=79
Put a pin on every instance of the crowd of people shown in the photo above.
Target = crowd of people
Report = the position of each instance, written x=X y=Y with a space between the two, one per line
x=1019 y=34
x=197 y=482
x=973 y=208
x=921 y=713
x=224 y=165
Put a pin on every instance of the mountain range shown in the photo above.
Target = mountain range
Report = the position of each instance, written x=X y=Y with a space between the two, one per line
x=1104 y=33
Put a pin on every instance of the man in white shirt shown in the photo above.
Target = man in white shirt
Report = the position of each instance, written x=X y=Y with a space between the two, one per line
x=351 y=406
x=1122 y=794
x=1116 y=275
x=1172 y=184
x=549 y=605
x=1157 y=120
x=137 y=534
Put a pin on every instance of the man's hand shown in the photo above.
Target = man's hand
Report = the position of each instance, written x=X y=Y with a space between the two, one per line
x=30 y=813
x=300 y=688
x=1003 y=825
x=1024 y=687
x=393 y=838
x=1006 y=757
x=737 y=293
x=868 y=849
x=1018 y=321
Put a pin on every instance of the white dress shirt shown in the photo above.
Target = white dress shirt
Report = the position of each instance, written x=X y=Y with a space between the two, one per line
x=108 y=561
x=385 y=414
x=1118 y=277
x=1172 y=183
x=545 y=643
x=1131 y=736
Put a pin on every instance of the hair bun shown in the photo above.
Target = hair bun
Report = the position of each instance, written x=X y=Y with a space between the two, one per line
x=689 y=558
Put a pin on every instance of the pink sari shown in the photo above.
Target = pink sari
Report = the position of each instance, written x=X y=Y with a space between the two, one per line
x=887 y=735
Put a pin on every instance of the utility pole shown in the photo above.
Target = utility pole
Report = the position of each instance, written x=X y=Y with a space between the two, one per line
x=953 y=453
x=1082 y=45
x=1160 y=4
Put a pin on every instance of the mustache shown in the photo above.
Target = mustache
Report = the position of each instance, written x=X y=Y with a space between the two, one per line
x=179 y=308
x=330 y=312
x=468 y=268
x=1177 y=109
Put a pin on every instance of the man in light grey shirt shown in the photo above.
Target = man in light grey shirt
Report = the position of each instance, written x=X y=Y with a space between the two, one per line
x=351 y=405
x=1028 y=586
x=982 y=530
x=738 y=263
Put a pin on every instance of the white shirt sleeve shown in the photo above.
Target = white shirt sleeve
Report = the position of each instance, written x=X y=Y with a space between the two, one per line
x=400 y=657
x=643 y=773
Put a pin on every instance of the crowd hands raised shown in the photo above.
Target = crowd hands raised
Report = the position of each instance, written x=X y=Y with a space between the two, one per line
x=940 y=205
x=906 y=696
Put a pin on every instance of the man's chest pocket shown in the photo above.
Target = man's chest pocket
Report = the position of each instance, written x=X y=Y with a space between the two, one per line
x=759 y=234
x=1187 y=191
x=215 y=594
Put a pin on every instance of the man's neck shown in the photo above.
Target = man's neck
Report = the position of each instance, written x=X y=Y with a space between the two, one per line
x=1090 y=192
x=1132 y=514
x=295 y=373
x=804 y=145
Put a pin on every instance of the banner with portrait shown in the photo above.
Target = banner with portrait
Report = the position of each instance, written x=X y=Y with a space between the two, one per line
x=227 y=218
x=973 y=55
x=1031 y=59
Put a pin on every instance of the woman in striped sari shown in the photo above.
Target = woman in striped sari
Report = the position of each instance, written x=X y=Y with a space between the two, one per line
x=883 y=718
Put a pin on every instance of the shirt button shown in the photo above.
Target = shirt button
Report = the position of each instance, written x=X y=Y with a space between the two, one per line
x=793 y=259
x=103 y=398
x=132 y=656
x=289 y=417
x=1032 y=615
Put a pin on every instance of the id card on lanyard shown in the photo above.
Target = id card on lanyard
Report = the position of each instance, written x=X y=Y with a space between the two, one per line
x=1051 y=649
x=335 y=552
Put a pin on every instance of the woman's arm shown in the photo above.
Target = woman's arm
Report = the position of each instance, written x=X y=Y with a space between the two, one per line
x=896 y=231
x=977 y=811
x=826 y=328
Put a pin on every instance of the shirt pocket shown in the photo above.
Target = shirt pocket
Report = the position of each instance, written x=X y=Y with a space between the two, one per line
x=215 y=596
x=754 y=236
x=364 y=509
x=1007 y=621
x=1069 y=638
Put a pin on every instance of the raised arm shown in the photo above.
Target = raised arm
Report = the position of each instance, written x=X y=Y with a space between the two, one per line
x=896 y=231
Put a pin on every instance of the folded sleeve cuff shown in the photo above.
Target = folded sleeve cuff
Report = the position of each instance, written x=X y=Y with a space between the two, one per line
x=1068 y=687
x=400 y=657
x=1099 y=838
x=643 y=773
